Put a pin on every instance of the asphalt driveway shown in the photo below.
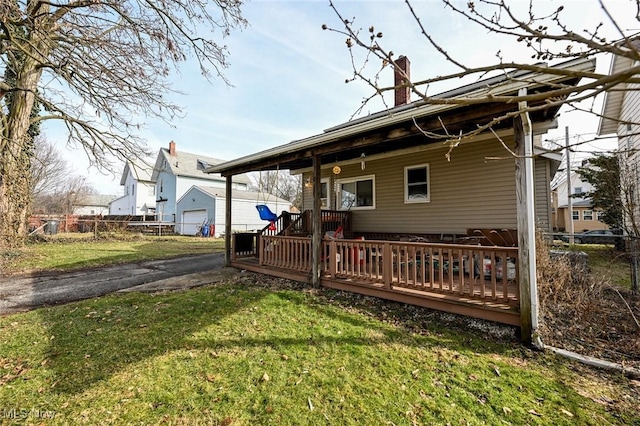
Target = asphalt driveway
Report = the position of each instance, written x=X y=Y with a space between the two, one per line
x=29 y=292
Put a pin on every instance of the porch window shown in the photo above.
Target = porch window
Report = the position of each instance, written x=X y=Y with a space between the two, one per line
x=416 y=184
x=324 y=193
x=357 y=193
x=587 y=215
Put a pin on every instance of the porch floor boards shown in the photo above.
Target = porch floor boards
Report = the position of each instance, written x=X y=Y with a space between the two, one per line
x=501 y=311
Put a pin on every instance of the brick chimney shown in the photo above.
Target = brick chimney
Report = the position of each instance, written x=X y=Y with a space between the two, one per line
x=402 y=94
x=172 y=148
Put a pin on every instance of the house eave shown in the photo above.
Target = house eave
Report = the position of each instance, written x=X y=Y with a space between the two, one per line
x=613 y=99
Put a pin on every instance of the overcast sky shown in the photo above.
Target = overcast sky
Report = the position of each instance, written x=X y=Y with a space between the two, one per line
x=288 y=75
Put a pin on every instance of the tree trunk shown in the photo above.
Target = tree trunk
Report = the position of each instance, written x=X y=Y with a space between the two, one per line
x=15 y=172
x=16 y=145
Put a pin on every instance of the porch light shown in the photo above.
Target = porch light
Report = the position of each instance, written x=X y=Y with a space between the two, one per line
x=308 y=183
x=336 y=170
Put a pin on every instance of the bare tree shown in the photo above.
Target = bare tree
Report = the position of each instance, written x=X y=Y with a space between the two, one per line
x=49 y=171
x=279 y=184
x=543 y=32
x=98 y=66
x=61 y=200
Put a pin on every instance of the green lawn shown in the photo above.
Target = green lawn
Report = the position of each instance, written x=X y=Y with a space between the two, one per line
x=607 y=263
x=238 y=354
x=65 y=252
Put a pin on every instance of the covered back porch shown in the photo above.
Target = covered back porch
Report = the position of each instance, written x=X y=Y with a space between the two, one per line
x=452 y=273
x=396 y=170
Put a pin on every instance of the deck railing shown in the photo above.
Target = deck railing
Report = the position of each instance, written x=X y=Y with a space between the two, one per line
x=476 y=272
x=293 y=253
x=282 y=223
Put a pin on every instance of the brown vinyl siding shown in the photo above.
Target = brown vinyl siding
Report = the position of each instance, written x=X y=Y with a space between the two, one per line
x=466 y=192
x=542 y=177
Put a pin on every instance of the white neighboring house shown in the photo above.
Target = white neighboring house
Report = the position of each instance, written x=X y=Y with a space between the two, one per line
x=621 y=108
x=139 y=192
x=207 y=205
x=621 y=117
x=92 y=205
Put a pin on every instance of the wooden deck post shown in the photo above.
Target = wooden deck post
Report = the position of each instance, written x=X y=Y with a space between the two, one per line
x=333 y=259
x=526 y=225
x=387 y=265
x=316 y=242
x=227 y=222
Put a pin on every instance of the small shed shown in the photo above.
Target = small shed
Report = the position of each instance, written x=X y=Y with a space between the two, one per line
x=203 y=205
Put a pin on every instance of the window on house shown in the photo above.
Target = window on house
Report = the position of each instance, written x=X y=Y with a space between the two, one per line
x=587 y=215
x=357 y=193
x=161 y=184
x=324 y=193
x=577 y=190
x=575 y=214
x=133 y=189
x=416 y=184
x=600 y=215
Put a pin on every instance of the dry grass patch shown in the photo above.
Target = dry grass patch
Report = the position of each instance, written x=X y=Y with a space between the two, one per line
x=585 y=312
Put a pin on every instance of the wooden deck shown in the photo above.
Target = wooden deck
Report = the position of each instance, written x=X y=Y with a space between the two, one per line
x=461 y=279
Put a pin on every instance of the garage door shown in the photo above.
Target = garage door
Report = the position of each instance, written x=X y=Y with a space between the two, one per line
x=192 y=220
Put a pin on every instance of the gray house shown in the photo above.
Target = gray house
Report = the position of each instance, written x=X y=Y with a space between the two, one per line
x=175 y=172
x=202 y=205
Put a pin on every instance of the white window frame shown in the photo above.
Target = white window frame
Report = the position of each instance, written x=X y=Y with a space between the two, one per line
x=575 y=213
x=338 y=194
x=584 y=216
x=406 y=184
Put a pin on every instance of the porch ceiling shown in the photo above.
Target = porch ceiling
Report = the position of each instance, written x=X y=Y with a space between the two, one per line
x=396 y=129
x=388 y=138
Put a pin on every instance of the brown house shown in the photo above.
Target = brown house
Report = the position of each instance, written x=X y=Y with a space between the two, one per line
x=421 y=221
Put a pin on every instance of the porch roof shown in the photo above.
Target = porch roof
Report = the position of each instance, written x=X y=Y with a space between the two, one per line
x=397 y=128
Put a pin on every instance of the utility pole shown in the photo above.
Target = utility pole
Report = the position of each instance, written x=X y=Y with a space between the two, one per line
x=569 y=200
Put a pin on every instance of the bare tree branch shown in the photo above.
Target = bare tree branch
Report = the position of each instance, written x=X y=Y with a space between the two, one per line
x=102 y=68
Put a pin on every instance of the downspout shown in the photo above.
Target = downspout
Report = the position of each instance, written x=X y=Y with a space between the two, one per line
x=530 y=217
